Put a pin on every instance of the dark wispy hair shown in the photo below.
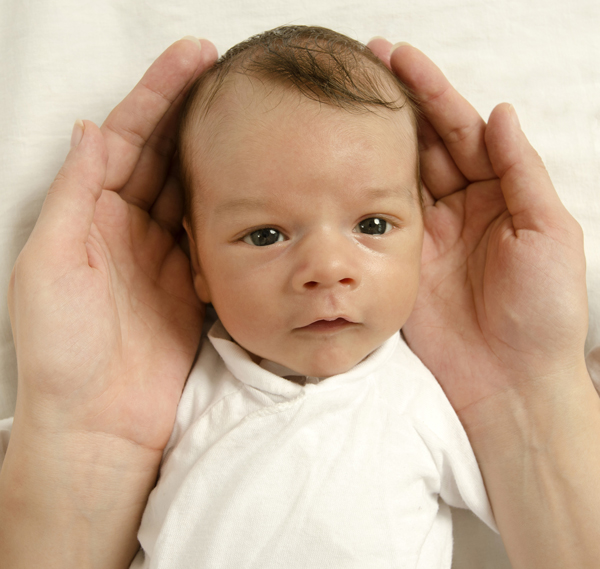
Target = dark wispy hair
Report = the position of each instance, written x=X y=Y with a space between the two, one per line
x=322 y=64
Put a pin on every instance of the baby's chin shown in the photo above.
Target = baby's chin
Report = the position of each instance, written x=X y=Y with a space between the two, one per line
x=318 y=353
x=320 y=370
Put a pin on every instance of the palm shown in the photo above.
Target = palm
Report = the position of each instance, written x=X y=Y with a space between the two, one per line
x=479 y=295
x=147 y=299
x=105 y=318
x=502 y=297
x=125 y=322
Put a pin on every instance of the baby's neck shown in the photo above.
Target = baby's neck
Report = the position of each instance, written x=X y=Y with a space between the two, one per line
x=285 y=372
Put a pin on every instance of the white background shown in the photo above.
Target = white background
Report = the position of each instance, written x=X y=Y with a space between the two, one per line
x=67 y=59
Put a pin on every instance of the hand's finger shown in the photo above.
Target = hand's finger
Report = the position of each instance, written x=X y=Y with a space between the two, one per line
x=528 y=191
x=438 y=170
x=153 y=165
x=457 y=123
x=63 y=227
x=167 y=210
x=382 y=49
x=145 y=117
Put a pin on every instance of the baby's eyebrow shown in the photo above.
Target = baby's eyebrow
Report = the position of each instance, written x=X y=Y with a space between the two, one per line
x=246 y=203
x=404 y=192
x=240 y=204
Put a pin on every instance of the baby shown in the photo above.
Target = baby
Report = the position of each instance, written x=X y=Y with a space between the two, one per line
x=308 y=433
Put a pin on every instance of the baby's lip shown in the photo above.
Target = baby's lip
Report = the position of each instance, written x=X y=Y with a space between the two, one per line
x=328 y=324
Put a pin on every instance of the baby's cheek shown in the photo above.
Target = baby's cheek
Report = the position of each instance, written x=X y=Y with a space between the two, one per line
x=246 y=316
x=397 y=301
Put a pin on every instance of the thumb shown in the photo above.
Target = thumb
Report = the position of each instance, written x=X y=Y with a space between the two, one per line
x=68 y=210
x=528 y=191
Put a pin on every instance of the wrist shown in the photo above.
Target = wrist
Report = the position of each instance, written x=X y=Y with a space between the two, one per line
x=81 y=495
x=536 y=445
x=73 y=458
x=536 y=414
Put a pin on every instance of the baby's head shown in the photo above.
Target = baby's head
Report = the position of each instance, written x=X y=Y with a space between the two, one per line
x=299 y=160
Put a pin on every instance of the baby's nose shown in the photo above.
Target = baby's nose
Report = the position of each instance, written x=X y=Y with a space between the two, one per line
x=329 y=261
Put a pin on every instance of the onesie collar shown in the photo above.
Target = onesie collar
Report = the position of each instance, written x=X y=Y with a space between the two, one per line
x=268 y=376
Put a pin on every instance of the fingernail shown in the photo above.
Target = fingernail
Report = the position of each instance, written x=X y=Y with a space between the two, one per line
x=515 y=118
x=194 y=39
x=397 y=45
x=77 y=133
x=377 y=38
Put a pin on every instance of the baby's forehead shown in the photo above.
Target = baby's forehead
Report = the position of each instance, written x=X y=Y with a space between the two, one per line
x=339 y=73
x=261 y=125
x=333 y=85
x=245 y=104
x=268 y=136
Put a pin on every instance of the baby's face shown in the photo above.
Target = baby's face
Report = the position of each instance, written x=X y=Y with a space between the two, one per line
x=308 y=229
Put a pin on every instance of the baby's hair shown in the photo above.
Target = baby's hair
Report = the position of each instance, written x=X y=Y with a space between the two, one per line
x=323 y=65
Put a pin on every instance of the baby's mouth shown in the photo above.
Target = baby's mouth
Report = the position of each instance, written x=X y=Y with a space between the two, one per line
x=328 y=325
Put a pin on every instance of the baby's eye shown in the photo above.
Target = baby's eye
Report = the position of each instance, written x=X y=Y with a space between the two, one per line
x=263 y=237
x=373 y=226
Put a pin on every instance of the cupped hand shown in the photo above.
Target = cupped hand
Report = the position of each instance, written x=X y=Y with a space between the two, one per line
x=104 y=315
x=502 y=301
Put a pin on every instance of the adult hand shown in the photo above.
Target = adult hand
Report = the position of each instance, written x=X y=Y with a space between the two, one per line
x=105 y=318
x=502 y=298
x=501 y=319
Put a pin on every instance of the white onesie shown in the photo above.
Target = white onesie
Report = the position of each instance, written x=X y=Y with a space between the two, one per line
x=263 y=473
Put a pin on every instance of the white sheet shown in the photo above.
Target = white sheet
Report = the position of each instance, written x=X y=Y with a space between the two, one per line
x=65 y=59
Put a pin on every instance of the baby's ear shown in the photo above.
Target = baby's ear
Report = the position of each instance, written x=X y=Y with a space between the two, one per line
x=199 y=280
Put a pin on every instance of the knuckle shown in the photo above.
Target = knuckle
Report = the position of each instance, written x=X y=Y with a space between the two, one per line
x=435 y=95
x=538 y=160
x=26 y=270
x=570 y=229
x=156 y=92
x=60 y=180
x=577 y=230
x=128 y=135
x=19 y=268
x=459 y=133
